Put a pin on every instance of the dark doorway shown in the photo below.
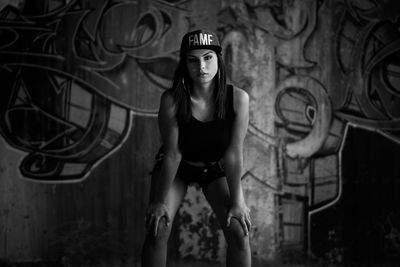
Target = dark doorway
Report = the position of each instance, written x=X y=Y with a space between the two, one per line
x=363 y=228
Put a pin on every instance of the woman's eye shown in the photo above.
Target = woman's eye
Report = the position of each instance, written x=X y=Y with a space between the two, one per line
x=208 y=57
x=191 y=60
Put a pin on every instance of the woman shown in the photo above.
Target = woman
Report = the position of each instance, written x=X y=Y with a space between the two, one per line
x=202 y=123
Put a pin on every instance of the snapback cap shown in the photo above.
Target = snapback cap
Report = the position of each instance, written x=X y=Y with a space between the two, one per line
x=200 y=39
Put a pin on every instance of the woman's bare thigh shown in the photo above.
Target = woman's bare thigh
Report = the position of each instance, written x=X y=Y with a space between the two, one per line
x=175 y=195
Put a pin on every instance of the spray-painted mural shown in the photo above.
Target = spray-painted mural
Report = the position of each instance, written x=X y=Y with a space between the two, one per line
x=335 y=67
x=70 y=80
x=73 y=78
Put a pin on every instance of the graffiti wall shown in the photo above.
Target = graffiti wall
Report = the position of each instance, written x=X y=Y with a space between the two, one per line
x=81 y=83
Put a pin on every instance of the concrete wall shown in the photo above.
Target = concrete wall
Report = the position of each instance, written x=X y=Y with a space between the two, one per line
x=80 y=87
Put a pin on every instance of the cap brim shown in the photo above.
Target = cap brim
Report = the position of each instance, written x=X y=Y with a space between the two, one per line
x=215 y=48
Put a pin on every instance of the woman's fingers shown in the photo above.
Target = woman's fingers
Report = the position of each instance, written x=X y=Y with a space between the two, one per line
x=244 y=225
x=248 y=220
x=153 y=217
x=167 y=219
x=248 y=223
x=243 y=222
x=153 y=222
x=228 y=219
x=155 y=225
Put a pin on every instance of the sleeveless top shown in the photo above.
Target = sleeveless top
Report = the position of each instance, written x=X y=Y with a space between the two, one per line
x=207 y=141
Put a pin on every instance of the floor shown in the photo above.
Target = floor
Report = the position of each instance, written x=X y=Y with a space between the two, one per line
x=4 y=263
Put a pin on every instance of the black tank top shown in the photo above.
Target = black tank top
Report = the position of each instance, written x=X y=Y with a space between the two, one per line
x=207 y=141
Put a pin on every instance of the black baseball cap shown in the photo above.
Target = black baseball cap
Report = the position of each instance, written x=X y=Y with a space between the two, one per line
x=200 y=39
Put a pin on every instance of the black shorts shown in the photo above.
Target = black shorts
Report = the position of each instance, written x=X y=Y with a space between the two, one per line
x=201 y=175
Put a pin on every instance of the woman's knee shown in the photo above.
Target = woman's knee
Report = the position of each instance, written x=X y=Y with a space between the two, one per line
x=163 y=233
x=235 y=235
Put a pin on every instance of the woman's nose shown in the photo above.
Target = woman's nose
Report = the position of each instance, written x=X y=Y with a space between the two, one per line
x=202 y=64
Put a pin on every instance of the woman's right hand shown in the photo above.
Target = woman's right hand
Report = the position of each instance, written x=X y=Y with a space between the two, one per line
x=155 y=212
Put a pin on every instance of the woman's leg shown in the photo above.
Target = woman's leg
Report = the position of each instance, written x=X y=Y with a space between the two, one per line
x=154 y=252
x=238 y=252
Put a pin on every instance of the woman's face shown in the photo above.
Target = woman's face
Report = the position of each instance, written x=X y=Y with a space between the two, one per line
x=202 y=65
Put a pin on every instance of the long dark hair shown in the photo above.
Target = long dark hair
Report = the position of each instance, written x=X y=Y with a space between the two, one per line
x=181 y=91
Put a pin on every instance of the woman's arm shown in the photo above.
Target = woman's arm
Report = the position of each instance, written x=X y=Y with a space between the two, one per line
x=161 y=184
x=233 y=159
x=172 y=156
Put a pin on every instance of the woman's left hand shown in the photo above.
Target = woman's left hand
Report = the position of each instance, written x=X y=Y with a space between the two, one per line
x=242 y=213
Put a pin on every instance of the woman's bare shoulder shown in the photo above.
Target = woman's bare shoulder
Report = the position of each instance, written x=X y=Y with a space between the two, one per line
x=167 y=105
x=167 y=100
x=240 y=98
x=167 y=97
